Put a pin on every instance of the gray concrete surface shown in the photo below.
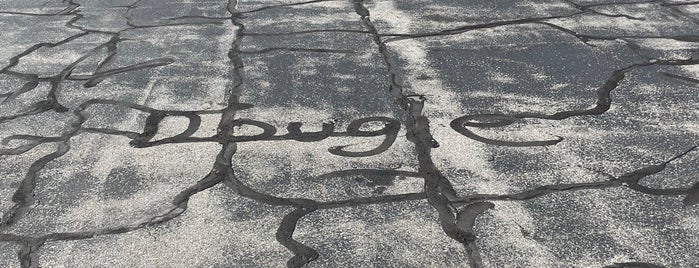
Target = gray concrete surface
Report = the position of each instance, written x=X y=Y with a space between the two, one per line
x=353 y=133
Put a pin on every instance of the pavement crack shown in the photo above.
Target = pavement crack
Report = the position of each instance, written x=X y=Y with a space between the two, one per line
x=629 y=180
x=294 y=49
x=467 y=28
x=602 y=105
x=283 y=5
x=438 y=189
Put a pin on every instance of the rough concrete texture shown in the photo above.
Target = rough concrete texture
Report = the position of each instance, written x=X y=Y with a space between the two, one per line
x=352 y=133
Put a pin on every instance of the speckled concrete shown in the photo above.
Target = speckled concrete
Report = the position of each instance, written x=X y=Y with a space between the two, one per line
x=353 y=133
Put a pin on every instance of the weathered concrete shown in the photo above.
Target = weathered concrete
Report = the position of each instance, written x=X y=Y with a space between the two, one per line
x=349 y=133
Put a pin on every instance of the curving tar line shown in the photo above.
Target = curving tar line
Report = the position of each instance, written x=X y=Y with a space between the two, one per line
x=603 y=104
x=629 y=180
x=302 y=254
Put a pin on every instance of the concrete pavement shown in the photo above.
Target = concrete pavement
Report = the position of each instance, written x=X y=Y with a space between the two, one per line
x=349 y=133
